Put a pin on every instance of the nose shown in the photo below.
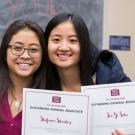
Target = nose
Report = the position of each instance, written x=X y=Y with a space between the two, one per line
x=64 y=46
x=25 y=54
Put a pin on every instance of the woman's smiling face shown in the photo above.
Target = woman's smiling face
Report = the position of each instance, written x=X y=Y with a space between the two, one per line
x=24 y=65
x=63 y=46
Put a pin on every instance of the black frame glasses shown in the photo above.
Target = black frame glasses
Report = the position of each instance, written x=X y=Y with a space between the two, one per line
x=19 y=50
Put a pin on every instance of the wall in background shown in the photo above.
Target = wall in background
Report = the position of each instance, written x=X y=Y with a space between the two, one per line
x=119 y=19
x=42 y=10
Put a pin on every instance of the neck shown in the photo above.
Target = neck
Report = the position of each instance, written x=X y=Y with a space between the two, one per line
x=70 y=79
x=15 y=92
x=19 y=84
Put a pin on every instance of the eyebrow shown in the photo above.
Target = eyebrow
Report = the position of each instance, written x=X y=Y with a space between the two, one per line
x=18 y=42
x=58 y=35
x=55 y=35
x=73 y=36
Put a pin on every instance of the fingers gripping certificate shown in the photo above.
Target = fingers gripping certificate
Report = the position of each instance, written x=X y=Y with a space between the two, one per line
x=113 y=107
x=52 y=112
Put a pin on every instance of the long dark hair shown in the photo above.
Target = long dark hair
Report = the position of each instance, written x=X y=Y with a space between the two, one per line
x=88 y=52
x=39 y=77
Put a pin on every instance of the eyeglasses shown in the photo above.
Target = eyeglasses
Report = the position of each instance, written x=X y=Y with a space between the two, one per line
x=19 y=50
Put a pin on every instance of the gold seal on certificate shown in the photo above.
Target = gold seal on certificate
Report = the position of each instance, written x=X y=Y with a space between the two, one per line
x=55 y=112
x=112 y=106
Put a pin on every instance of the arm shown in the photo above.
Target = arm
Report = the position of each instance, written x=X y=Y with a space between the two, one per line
x=119 y=132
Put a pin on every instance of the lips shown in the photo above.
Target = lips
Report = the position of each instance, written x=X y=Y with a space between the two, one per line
x=64 y=56
x=24 y=66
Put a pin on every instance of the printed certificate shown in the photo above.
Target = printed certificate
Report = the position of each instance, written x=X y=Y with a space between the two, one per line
x=53 y=112
x=113 y=107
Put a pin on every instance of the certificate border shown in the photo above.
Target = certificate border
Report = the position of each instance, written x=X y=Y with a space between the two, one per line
x=29 y=90
x=91 y=89
x=85 y=88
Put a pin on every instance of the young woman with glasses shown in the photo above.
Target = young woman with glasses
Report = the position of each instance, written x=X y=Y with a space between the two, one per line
x=22 y=64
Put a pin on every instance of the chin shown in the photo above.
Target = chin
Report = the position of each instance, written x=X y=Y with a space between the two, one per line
x=24 y=75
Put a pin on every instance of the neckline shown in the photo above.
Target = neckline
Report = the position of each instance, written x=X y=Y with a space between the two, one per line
x=8 y=110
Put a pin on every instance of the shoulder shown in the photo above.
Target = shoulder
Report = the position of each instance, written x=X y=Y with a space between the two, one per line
x=109 y=58
x=109 y=68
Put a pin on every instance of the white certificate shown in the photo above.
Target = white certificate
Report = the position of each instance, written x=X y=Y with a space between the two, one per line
x=53 y=112
x=113 y=107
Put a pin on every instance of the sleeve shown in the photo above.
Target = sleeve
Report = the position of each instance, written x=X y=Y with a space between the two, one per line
x=117 y=70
